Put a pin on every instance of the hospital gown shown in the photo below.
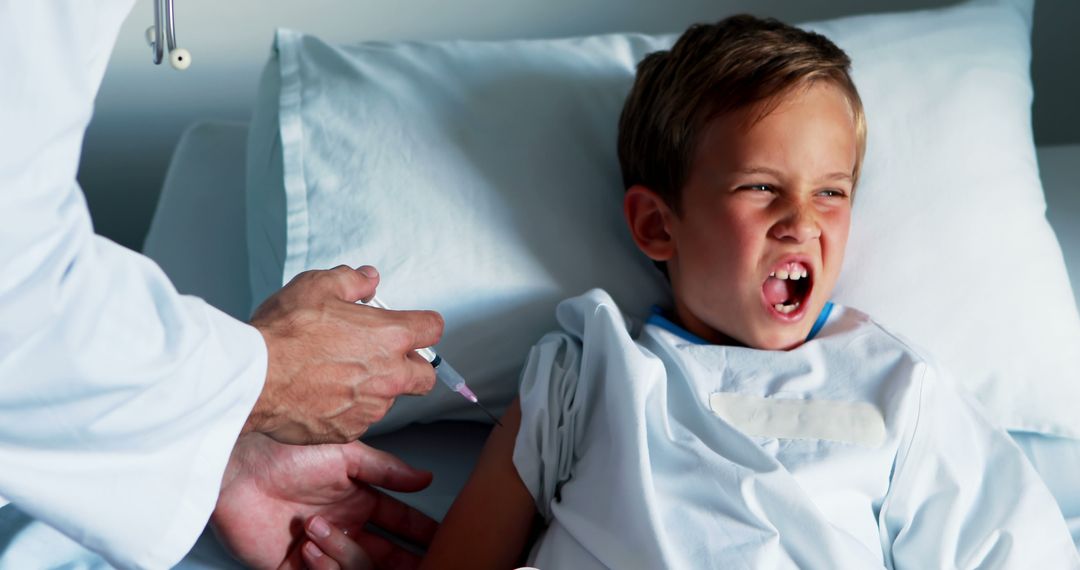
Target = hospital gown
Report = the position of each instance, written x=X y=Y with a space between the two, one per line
x=850 y=451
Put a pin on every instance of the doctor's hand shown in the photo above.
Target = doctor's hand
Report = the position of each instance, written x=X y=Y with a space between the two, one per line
x=336 y=367
x=272 y=494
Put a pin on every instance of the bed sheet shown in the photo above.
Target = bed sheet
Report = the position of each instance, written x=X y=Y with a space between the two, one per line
x=198 y=238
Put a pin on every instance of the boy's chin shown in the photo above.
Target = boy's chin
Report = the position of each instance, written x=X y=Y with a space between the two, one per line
x=779 y=338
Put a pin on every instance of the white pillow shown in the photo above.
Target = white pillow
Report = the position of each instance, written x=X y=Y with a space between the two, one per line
x=481 y=178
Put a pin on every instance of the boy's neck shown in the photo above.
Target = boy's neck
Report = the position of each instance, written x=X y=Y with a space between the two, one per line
x=670 y=321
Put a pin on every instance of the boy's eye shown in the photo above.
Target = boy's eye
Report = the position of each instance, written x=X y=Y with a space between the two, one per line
x=757 y=187
x=832 y=193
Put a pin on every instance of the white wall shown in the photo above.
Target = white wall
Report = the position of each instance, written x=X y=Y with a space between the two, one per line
x=142 y=109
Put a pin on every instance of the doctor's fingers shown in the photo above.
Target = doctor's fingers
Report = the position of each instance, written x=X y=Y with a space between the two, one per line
x=347 y=284
x=400 y=331
x=388 y=378
x=331 y=549
x=387 y=471
x=421 y=375
x=317 y=287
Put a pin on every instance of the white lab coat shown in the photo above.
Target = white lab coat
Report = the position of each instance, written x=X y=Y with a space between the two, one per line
x=850 y=451
x=120 y=400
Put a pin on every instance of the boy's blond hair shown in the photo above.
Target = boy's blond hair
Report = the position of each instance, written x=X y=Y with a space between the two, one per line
x=714 y=69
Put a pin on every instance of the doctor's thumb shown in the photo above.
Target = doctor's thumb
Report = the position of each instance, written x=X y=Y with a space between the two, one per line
x=352 y=285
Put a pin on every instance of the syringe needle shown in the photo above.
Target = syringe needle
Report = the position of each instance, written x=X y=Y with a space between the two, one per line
x=490 y=415
x=443 y=371
x=447 y=375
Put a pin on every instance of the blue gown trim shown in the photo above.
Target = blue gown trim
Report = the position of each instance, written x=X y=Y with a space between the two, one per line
x=657 y=318
x=820 y=322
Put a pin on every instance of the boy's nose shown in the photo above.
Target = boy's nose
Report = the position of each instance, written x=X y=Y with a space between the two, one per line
x=798 y=225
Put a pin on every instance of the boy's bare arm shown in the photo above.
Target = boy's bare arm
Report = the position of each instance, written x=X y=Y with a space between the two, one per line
x=490 y=522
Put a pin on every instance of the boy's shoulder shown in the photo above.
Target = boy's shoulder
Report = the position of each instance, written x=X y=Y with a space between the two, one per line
x=575 y=315
x=851 y=321
x=591 y=320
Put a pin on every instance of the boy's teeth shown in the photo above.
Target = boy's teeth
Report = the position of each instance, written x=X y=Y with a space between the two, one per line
x=785 y=309
x=794 y=273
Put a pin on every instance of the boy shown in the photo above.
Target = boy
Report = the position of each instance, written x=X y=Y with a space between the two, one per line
x=754 y=425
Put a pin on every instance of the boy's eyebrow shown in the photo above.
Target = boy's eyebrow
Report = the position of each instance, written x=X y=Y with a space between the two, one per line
x=759 y=170
x=846 y=176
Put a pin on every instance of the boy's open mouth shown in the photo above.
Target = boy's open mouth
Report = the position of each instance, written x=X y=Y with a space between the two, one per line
x=787 y=287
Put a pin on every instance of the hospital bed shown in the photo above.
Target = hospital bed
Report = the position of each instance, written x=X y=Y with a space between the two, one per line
x=202 y=210
x=207 y=169
x=199 y=237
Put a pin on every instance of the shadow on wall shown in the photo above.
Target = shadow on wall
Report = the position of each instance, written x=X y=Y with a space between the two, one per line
x=122 y=179
x=1055 y=51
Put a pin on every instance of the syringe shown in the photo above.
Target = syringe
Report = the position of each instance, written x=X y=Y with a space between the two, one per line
x=443 y=371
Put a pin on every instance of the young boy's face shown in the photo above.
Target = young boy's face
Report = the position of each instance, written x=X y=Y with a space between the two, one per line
x=758 y=243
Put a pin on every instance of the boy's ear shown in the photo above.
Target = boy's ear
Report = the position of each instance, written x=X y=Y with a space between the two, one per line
x=647 y=215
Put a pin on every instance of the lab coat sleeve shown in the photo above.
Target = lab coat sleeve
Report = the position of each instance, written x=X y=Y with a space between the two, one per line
x=964 y=496
x=120 y=400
